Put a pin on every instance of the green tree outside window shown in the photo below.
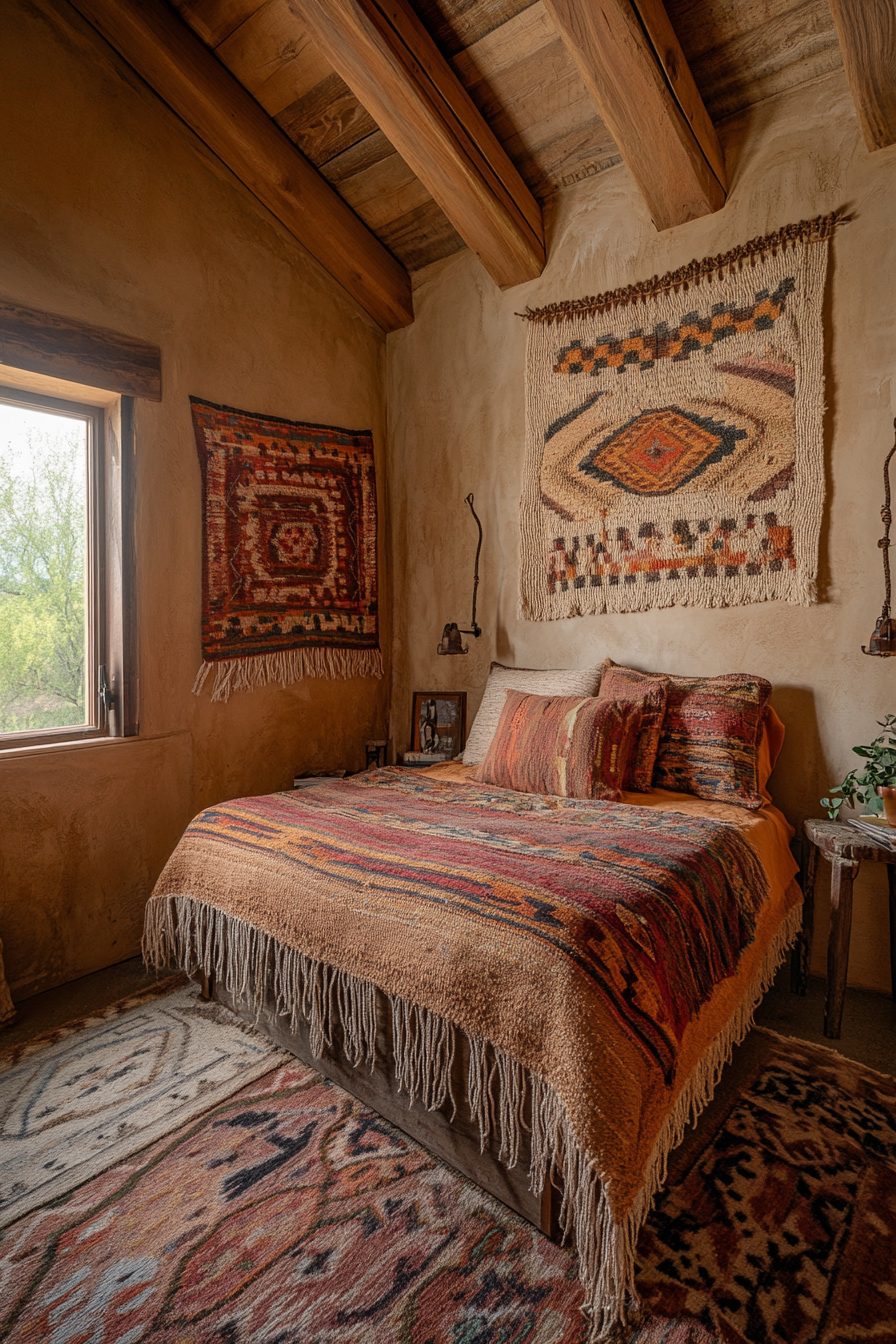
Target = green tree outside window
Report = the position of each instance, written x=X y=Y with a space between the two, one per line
x=43 y=529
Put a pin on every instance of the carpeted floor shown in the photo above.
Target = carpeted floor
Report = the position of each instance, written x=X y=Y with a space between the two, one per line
x=779 y=1218
x=290 y=1214
x=84 y=1096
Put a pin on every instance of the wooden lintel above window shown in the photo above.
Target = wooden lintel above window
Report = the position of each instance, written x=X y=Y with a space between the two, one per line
x=189 y=78
x=62 y=347
x=866 y=30
x=382 y=51
x=636 y=72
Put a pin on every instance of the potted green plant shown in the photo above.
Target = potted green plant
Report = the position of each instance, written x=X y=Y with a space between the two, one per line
x=878 y=772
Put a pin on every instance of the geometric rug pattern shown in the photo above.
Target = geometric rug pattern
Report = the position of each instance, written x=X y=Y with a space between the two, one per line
x=289 y=1213
x=779 y=1220
x=92 y=1097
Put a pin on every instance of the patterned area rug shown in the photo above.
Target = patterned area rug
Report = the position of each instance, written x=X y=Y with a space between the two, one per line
x=291 y=1214
x=80 y=1099
x=779 y=1220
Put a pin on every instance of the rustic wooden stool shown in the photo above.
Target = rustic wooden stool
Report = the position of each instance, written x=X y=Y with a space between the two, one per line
x=845 y=848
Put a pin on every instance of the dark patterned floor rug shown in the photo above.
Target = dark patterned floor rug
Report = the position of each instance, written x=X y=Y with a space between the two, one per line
x=290 y=1214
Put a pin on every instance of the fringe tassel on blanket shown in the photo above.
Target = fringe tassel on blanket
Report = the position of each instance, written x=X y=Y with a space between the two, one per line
x=245 y=674
x=423 y=1050
x=194 y=935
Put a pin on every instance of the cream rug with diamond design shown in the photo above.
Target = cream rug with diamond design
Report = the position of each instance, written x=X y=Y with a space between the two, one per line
x=74 y=1103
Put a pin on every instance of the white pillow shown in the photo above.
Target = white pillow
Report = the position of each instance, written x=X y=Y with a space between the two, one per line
x=553 y=681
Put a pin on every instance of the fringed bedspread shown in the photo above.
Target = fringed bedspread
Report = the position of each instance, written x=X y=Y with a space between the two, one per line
x=583 y=940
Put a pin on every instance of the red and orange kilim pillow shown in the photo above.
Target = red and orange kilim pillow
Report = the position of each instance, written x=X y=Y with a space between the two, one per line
x=650 y=693
x=710 y=738
x=563 y=745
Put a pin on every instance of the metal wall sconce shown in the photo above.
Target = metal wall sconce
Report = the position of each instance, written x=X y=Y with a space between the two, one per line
x=451 y=641
x=882 y=643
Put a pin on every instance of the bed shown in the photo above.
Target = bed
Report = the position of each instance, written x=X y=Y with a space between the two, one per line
x=543 y=990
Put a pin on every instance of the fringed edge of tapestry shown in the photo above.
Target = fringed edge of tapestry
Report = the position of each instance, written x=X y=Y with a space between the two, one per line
x=799 y=589
x=194 y=935
x=245 y=674
x=816 y=230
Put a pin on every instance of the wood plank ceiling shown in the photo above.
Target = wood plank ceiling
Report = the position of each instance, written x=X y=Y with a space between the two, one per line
x=510 y=58
x=495 y=103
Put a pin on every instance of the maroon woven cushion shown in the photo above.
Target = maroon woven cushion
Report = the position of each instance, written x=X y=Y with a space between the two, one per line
x=650 y=692
x=567 y=745
x=709 y=744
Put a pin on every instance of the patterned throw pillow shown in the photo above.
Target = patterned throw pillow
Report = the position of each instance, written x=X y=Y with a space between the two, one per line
x=710 y=738
x=650 y=693
x=551 y=681
x=566 y=745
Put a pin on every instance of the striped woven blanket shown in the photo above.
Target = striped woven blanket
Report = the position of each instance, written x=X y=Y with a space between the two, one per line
x=579 y=939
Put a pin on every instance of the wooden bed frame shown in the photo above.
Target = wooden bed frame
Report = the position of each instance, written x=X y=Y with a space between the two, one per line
x=453 y=1140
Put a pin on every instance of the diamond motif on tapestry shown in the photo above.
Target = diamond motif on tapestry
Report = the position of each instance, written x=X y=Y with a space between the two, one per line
x=296 y=542
x=658 y=452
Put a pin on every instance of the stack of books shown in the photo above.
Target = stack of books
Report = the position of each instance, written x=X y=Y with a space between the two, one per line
x=305 y=781
x=425 y=757
x=878 y=830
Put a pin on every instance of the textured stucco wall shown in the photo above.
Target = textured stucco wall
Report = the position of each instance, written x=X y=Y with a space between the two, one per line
x=111 y=212
x=456 y=423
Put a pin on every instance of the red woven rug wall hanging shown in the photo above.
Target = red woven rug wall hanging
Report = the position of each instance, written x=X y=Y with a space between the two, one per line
x=289 y=561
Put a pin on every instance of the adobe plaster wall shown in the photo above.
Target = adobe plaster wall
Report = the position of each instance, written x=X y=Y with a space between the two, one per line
x=111 y=212
x=456 y=423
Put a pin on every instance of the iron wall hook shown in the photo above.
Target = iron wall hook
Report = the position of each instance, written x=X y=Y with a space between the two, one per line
x=451 y=641
x=882 y=643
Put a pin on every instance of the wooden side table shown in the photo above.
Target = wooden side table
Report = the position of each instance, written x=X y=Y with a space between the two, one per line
x=846 y=849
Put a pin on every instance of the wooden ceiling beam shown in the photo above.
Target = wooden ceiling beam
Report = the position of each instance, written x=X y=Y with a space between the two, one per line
x=183 y=72
x=387 y=58
x=866 y=31
x=636 y=72
x=216 y=20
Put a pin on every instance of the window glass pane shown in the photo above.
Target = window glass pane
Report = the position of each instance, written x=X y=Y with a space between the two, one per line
x=43 y=543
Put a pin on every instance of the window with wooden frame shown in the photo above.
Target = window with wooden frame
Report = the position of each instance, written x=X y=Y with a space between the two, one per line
x=63 y=598
x=68 y=624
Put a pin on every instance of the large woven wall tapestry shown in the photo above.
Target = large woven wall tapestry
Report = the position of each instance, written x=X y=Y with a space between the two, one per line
x=289 y=573
x=674 y=436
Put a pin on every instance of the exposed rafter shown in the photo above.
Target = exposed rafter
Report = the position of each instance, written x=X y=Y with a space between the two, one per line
x=636 y=72
x=174 y=62
x=866 y=30
x=383 y=52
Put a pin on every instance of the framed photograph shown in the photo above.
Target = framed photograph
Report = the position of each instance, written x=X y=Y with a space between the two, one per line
x=439 y=723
